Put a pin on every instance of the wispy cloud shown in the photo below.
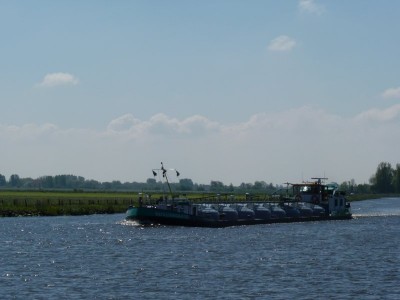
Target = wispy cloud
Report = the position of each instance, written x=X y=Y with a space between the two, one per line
x=275 y=147
x=161 y=124
x=310 y=6
x=282 y=43
x=58 y=79
x=382 y=115
x=391 y=93
x=123 y=123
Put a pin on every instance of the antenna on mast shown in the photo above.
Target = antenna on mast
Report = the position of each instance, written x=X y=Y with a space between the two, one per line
x=165 y=175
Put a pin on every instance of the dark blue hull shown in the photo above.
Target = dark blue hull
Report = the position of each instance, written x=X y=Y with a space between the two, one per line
x=154 y=216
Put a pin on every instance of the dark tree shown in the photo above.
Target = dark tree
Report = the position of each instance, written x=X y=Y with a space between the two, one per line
x=3 y=181
x=216 y=186
x=46 y=182
x=396 y=179
x=186 y=184
x=260 y=185
x=60 y=181
x=383 y=179
x=363 y=188
x=15 y=181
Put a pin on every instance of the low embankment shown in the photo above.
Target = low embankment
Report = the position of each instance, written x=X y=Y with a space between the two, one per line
x=58 y=203
x=51 y=203
x=360 y=197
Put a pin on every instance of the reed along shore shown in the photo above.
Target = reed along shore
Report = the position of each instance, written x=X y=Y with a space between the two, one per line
x=58 y=203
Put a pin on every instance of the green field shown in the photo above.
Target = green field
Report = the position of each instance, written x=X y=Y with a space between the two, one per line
x=55 y=203
x=44 y=203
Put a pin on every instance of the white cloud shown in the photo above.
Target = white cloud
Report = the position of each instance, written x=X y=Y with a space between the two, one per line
x=310 y=6
x=123 y=123
x=276 y=147
x=382 y=115
x=282 y=43
x=391 y=93
x=161 y=124
x=58 y=79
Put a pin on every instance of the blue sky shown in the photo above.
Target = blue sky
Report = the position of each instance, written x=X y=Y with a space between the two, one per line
x=235 y=91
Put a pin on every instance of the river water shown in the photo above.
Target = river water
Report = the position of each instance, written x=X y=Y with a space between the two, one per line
x=105 y=257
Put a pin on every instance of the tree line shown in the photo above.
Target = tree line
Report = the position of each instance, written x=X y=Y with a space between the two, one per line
x=385 y=180
x=72 y=182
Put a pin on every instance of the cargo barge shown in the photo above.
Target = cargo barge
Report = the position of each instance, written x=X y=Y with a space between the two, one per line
x=303 y=202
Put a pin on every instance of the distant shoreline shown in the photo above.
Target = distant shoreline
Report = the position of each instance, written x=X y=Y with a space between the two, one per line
x=72 y=203
x=361 y=197
x=60 y=203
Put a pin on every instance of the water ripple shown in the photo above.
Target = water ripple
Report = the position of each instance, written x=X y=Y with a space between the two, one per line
x=105 y=257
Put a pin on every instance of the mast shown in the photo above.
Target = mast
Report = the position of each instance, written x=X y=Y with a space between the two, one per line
x=164 y=175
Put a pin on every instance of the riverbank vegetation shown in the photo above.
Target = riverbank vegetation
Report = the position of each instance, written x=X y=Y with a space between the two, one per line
x=74 y=195
x=385 y=180
x=51 y=203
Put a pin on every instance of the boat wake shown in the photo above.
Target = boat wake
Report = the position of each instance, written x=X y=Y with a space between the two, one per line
x=134 y=223
x=387 y=207
x=377 y=208
x=129 y=223
x=377 y=214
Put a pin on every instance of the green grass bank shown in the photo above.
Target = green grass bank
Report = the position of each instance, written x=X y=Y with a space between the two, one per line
x=51 y=203
x=58 y=203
